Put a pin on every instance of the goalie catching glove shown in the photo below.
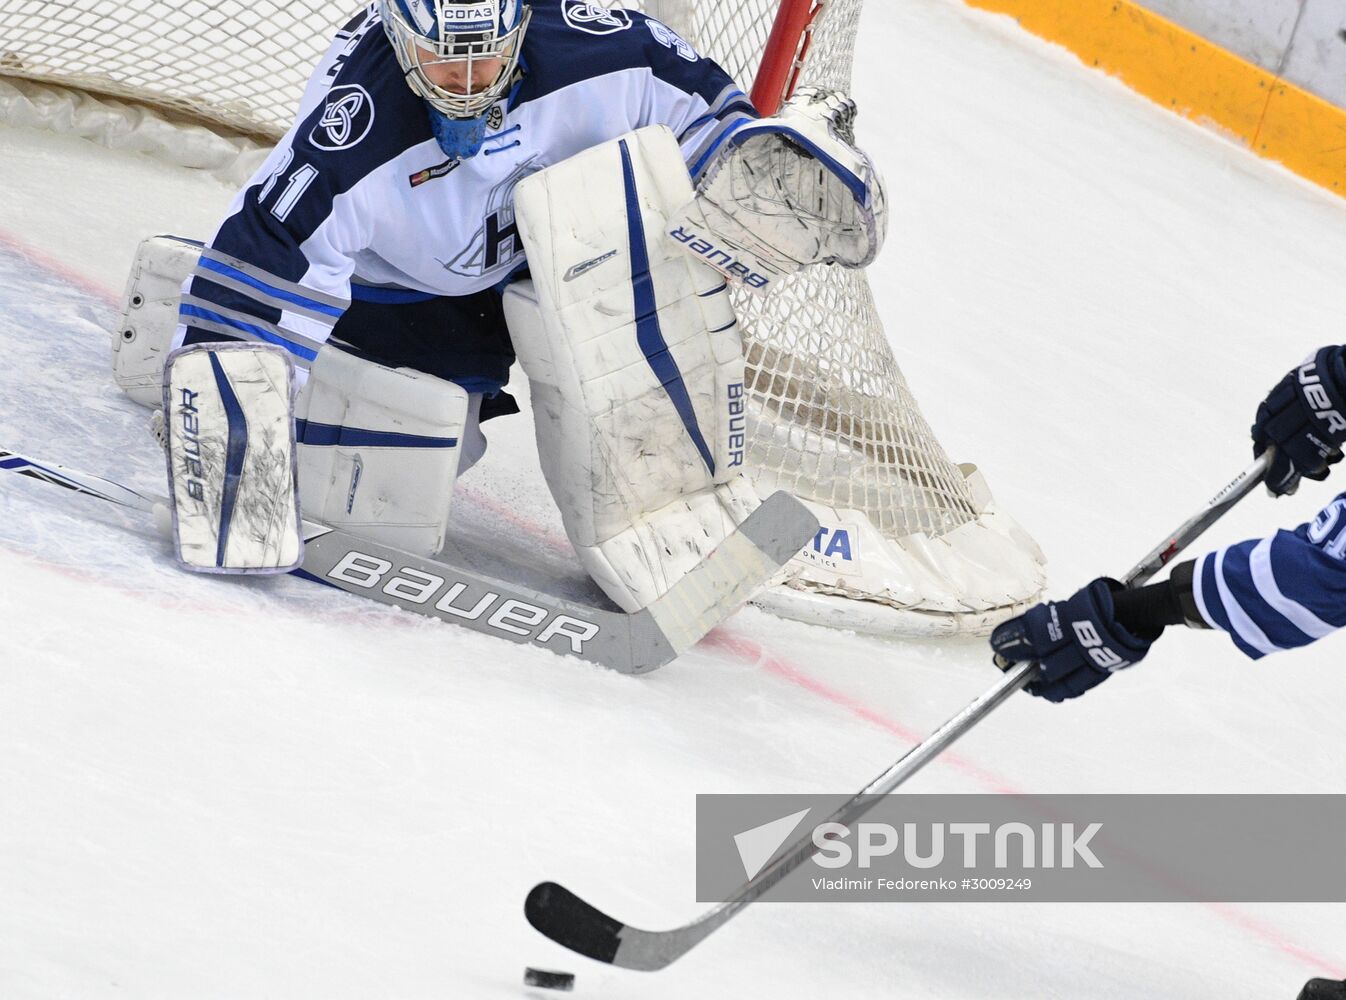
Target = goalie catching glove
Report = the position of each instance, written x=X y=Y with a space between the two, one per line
x=787 y=192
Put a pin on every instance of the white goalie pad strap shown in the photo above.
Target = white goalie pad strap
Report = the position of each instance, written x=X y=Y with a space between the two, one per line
x=143 y=336
x=380 y=448
x=788 y=192
x=634 y=356
x=231 y=470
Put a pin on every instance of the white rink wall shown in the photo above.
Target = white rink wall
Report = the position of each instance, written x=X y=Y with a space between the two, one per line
x=1300 y=40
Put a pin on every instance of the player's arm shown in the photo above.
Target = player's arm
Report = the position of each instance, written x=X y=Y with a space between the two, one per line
x=275 y=271
x=685 y=91
x=1269 y=594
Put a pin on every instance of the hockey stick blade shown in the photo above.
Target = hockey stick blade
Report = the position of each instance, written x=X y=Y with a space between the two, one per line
x=570 y=921
x=628 y=643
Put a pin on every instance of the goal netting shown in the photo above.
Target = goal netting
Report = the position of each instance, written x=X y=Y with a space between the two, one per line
x=834 y=421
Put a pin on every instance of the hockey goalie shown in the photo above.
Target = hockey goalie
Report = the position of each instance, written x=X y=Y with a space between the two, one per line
x=467 y=182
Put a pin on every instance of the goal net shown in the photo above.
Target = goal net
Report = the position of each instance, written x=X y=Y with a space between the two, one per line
x=925 y=550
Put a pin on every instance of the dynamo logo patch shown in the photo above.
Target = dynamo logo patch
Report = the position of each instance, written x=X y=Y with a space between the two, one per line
x=346 y=119
x=593 y=19
x=669 y=38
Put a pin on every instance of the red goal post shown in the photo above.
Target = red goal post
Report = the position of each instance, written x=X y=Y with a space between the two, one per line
x=787 y=50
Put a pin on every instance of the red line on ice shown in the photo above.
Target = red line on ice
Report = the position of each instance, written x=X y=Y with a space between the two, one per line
x=58 y=267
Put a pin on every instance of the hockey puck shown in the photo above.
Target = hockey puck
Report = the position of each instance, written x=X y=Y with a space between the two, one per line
x=549 y=980
x=1323 y=989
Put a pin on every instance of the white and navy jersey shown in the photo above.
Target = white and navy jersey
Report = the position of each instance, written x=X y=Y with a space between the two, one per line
x=1280 y=592
x=358 y=201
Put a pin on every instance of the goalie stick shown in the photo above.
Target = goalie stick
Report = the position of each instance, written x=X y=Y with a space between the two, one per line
x=628 y=643
x=570 y=921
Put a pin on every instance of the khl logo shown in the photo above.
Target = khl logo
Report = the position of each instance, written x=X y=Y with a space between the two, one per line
x=595 y=20
x=346 y=118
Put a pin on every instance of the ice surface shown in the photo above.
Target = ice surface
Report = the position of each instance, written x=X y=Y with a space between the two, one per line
x=215 y=788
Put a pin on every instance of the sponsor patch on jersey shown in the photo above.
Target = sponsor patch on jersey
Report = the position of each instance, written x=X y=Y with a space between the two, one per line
x=434 y=173
x=346 y=119
x=593 y=19
x=669 y=38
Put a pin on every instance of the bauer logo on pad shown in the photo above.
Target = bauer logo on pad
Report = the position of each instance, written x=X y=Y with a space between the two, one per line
x=231 y=458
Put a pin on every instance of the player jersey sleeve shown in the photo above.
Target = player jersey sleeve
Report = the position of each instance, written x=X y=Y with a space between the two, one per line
x=270 y=274
x=692 y=95
x=278 y=269
x=1281 y=592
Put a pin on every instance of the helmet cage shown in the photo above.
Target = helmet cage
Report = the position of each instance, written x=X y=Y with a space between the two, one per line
x=415 y=51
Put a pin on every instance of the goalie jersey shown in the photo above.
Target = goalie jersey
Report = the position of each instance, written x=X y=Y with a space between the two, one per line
x=359 y=203
x=1280 y=592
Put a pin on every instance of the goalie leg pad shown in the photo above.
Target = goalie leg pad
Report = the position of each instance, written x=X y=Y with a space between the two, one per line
x=380 y=449
x=231 y=467
x=143 y=336
x=635 y=362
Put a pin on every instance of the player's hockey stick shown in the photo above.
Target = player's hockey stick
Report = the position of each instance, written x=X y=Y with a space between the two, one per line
x=570 y=921
x=629 y=643
x=79 y=482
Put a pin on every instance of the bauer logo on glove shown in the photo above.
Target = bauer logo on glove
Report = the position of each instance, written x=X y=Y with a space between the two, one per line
x=1078 y=643
x=788 y=192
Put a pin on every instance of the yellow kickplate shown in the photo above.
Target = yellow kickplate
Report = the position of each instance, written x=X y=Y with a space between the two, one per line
x=1200 y=80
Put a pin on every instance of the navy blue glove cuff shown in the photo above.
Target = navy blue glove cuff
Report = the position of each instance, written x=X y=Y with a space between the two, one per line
x=1078 y=642
x=1304 y=419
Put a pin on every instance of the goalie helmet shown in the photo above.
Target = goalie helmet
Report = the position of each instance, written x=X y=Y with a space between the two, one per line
x=459 y=56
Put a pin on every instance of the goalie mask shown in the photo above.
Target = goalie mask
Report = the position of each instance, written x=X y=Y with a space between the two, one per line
x=459 y=56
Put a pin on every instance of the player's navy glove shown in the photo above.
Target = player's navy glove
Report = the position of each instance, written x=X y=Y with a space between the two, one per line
x=1304 y=420
x=1079 y=642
